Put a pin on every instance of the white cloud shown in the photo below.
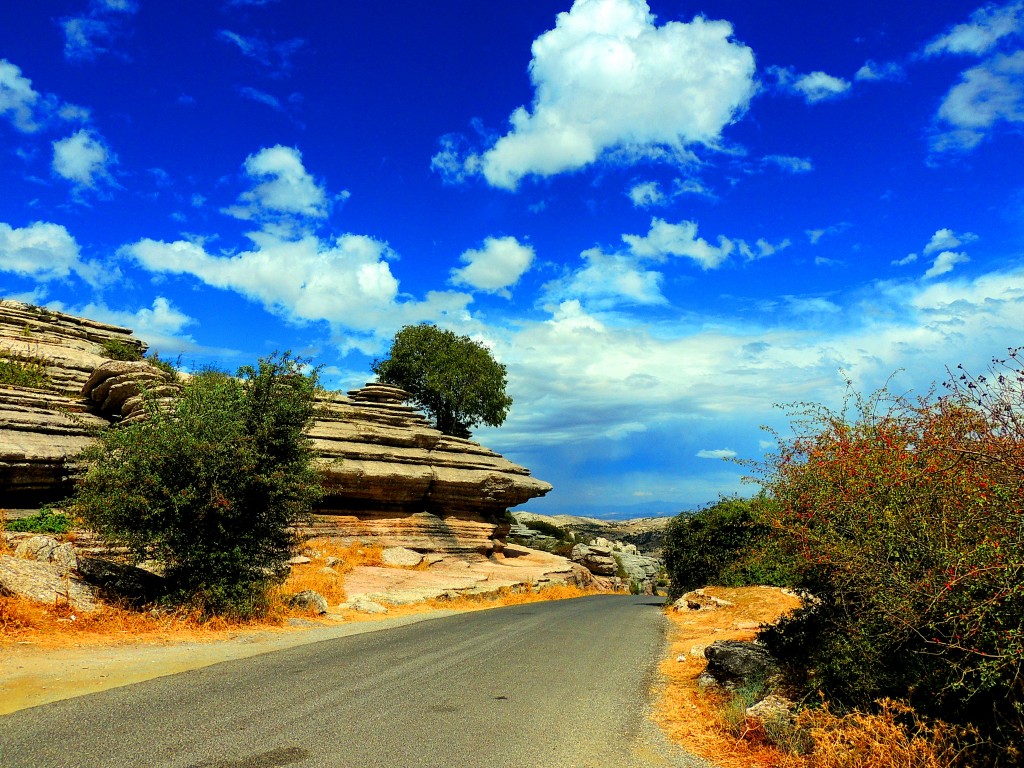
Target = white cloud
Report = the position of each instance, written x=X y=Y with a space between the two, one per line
x=815 y=235
x=606 y=281
x=819 y=86
x=910 y=258
x=607 y=78
x=717 y=453
x=986 y=27
x=647 y=193
x=85 y=36
x=161 y=324
x=346 y=281
x=944 y=263
x=277 y=56
x=43 y=251
x=987 y=95
x=495 y=267
x=872 y=71
x=18 y=100
x=82 y=159
x=947 y=239
x=813 y=87
x=261 y=97
x=681 y=240
x=283 y=187
x=789 y=164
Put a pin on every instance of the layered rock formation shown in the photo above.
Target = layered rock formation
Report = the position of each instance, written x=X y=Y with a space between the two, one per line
x=390 y=477
x=42 y=429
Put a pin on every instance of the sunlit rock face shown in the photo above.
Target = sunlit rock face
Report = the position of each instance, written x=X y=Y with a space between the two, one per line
x=390 y=478
x=41 y=429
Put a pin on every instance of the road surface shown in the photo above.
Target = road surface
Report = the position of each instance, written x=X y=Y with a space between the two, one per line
x=542 y=685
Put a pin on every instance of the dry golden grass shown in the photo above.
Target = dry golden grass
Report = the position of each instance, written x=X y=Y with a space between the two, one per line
x=692 y=716
x=895 y=736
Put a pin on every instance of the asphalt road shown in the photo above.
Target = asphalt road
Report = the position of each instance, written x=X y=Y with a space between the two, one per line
x=563 y=683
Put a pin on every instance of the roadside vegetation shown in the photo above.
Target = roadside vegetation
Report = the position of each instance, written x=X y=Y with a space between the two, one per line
x=21 y=371
x=211 y=487
x=902 y=521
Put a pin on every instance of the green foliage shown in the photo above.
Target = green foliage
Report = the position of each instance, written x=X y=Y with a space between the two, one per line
x=211 y=487
x=116 y=349
x=726 y=543
x=549 y=529
x=23 y=372
x=167 y=367
x=907 y=519
x=454 y=379
x=46 y=521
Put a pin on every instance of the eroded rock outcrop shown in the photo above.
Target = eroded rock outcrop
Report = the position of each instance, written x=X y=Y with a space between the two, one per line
x=392 y=478
x=42 y=428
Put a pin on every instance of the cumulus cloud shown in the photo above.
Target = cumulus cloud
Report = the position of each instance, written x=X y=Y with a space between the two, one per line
x=283 y=186
x=18 y=100
x=717 y=453
x=815 y=235
x=985 y=28
x=495 y=267
x=83 y=159
x=680 y=240
x=946 y=239
x=646 y=194
x=987 y=95
x=910 y=258
x=812 y=87
x=43 y=251
x=872 y=71
x=608 y=79
x=161 y=324
x=944 y=263
x=607 y=280
x=88 y=35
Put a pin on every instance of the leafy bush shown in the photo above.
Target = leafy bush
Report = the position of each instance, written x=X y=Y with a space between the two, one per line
x=211 y=487
x=46 y=521
x=906 y=518
x=548 y=529
x=726 y=543
x=167 y=367
x=116 y=349
x=24 y=372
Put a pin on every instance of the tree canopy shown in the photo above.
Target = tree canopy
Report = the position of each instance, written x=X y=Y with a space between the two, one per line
x=211 y=486
x=454 y=379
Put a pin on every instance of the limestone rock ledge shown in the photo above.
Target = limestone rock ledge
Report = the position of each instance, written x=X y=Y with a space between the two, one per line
x=391 y=478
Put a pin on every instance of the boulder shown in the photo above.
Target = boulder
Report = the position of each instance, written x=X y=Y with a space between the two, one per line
x=48 y=550
x=734 y=663
x=401 y=557
x=697 y=600
x=308 y=600
x=595 y=558
x=45 y=583
x=119 y=581
x=772 y=710
x=364 y=605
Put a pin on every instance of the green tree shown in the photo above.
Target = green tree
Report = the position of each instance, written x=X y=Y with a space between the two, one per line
x=211 y=486
x=727 y=544
x=454 y=379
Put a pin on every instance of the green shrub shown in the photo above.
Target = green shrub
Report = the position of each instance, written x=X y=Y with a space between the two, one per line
x=212 y=487
x=907 y=521
x=46 y=521
x=156 y=361
x=548 y=529
x=24 y=372
x=116 y=349
x=726 y=543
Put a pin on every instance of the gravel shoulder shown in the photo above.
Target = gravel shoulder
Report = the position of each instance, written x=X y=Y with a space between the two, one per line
x=31 y=675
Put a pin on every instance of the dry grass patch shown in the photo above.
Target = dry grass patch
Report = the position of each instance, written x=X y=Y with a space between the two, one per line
x=692 y=716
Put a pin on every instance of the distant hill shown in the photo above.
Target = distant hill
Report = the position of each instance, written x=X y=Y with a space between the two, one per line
x=647 y=533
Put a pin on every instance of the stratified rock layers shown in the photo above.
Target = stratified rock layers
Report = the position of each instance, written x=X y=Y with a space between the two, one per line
x=390 y=478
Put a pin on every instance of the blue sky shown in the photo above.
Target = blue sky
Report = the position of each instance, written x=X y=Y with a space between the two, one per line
x=664 y=217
